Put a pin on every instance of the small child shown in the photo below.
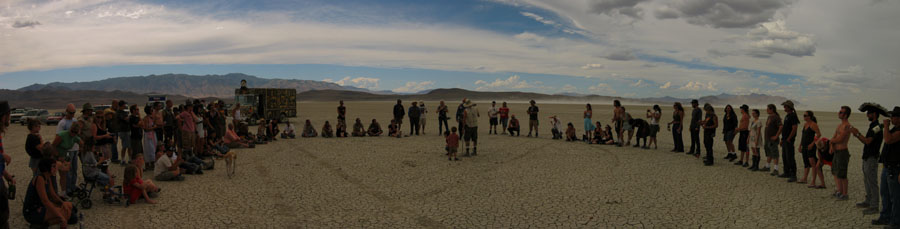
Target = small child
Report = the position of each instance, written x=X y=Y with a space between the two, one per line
x=447 y=146
x=453 y=145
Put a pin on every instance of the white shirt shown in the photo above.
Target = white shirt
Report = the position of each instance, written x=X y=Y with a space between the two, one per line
x=237 y=115
x=162 y=165
x=492 y=113
x=653 y=119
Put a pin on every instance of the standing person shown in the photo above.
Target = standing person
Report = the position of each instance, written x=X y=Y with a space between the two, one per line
x=533 y=119
x=188 y=127
x=66 y=122
x=399 y=112
x=65 y=144
x=452 y=145
x=755 y=131
x=112 y=126
x=627 y=127
x=342 y=112
x=773 y=129
x=4 y=160
x=470 y=115
x=743 y=130
x=696 y=113
x=492 y=117
x=169 y=125
x=788 y=136
x=588 y=123
x=34 y=145
x=137 y=132
x=890 y=157
x=872 y=141
x=807 y=147
x=124 y=130
x=422 y=112
x=459 y=118
x=442 y=117
x=676 y=126
x=617 y=120
x=236 y=116
x=149 y=124
x=654 y=116
x=709 y=132
x=414 y=118
x=841 y=153
x=729 y=126
x=504 y=116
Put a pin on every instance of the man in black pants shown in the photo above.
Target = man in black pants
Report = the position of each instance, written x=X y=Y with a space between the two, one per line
x=414 y=118
x=788 y=135
x=399 y=112
x=696 y=115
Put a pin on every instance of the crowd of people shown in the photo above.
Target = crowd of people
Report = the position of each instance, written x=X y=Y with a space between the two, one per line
x=172 y=141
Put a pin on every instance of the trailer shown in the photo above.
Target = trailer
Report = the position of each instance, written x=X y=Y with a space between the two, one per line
x=267 y=103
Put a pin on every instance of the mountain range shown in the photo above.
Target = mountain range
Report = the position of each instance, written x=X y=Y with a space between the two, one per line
x=182 y=86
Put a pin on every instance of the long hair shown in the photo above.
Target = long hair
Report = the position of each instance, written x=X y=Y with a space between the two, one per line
x=678 y=106
x=812 y=117
x=589 y=106
x=657 y=109
x=773 y=108
x=617 y=103
x=130 y=173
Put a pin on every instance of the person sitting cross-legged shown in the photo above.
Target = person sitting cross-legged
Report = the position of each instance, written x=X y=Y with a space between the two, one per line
x=308 y=130
x=375 y=129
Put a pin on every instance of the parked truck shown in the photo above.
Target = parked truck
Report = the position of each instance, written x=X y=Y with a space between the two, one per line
x=268 y=103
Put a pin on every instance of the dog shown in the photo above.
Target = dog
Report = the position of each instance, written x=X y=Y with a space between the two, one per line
x=230 y=161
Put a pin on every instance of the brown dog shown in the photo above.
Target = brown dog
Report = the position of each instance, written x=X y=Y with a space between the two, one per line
x=230 y=162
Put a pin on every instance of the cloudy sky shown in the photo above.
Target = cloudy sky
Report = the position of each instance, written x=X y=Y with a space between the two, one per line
x=823 y=53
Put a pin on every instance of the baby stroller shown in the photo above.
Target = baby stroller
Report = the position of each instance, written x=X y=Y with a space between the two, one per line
x=82 y=194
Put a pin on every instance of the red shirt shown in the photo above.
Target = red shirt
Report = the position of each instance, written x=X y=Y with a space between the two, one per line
x=504 y=112
x=187 y=121
x=132 y=190
x=453 y=140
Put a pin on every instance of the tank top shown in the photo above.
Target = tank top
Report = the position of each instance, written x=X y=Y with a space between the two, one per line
x=653 y=119
x=675 y=117
x=891 y=152
x=101 y=131
x=809 y=136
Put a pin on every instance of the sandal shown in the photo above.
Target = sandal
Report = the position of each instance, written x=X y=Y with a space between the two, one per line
x=820 y=187
x=801 y=182
x=812 y=186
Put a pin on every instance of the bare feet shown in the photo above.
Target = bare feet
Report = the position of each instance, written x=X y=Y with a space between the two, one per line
x=149 y=201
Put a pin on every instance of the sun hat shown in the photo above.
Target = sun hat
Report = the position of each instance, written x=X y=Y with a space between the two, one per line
x=788 y=104
x=873 y=107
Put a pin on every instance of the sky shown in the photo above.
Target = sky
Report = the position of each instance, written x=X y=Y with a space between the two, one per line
x=822 y=53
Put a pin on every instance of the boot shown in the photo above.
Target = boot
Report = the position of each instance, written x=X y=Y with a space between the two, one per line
x=755 y=166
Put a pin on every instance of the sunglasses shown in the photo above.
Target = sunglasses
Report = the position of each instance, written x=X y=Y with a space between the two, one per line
x=70 y=112
x=805 y=115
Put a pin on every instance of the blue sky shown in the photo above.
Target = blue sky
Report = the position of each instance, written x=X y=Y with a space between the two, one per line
x=630 y=48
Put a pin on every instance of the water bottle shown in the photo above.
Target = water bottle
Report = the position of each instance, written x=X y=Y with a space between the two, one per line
x=12 y=190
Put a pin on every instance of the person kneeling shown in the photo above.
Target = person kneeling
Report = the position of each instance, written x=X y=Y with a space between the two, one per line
x=167 y=169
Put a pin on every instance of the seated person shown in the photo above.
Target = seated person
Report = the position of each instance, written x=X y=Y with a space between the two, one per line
x=167 y=169
x=375 y=129
x=308 y=130
x=138 y=162
x=358 y=129
x=341 y=129
x=326 y=130
x=642 y=131
x=597 y=133
x=42 y=206
x=272 y=130
x=556 y=129
x=134 y=187
x=261 y=130
x=233 y=141
x=394 y=130
x=92 y=171
x=513 y=126
x=288 y=131
x=570 y=133
x=215 y=146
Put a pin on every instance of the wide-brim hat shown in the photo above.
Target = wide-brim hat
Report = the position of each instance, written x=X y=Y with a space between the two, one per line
x=788 y=104
x=87 y=107
x=469 y=103
x=873 y=107
x=895 y=112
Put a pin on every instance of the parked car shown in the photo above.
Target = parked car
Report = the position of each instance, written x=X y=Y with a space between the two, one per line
x=40 y=115
x=16 y=115
x=55 y=118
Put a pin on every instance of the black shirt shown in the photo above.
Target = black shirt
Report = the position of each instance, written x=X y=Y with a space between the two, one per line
x=122 y=118
x=342 y=112
x=398 y=111
x=413 y=112
x=695 y=118
x=891 y=153
x=136 y=131
x=442 y=113
x=789 y=121
x=729 y=123
x=31 y=146
x=877 y=134
x=533 y=113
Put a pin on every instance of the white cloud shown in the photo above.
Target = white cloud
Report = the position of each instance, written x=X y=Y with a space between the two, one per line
x=569 y=88
x=698 y=86
x=639 y=83
x=593 y=66
x=602 y=89
x=666 y=86
x=359 y=82
x=513 y=82
x=723 y=13
x=538 y=18
x=773 y=37
x=413 y=87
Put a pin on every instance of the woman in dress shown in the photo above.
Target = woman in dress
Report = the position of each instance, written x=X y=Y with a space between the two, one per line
x=149 y=125
x=807 y=147
x=588 y=124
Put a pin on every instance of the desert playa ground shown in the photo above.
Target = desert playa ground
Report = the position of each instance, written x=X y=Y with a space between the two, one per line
x=513 y=182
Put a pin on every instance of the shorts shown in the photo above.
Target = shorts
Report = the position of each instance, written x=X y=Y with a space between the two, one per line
x=187 y=140
x=839 y=166
x=165 y=176
x=504 y=121
x=533 y=122
x=452 y=150
x=729 y=136
x=493 y=121
x=808 y=154
x=399 y=119
x=627 y=126
x=125 y=138
x=33 y=162
x=771 y=149
x=742 y=141
x=471 y=134
x=653 y=130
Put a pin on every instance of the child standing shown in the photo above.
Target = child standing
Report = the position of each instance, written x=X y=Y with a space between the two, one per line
x=452 y=145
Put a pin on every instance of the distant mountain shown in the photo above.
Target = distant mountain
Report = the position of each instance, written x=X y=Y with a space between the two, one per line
x=221 y=86
x=454 y=94
x=57 y=98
